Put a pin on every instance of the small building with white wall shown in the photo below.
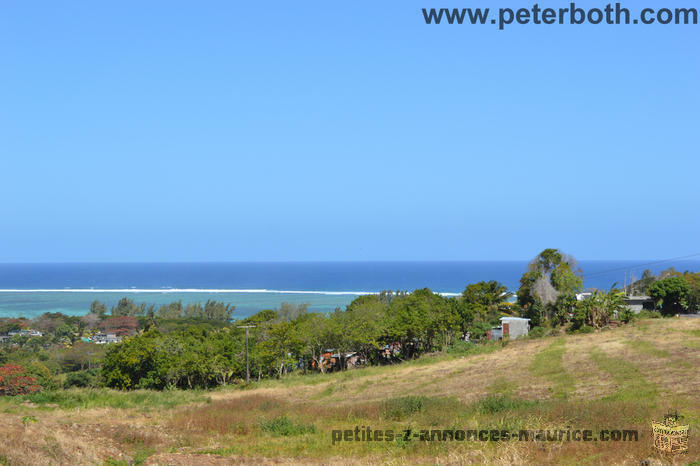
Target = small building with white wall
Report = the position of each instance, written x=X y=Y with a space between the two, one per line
x=511 y=327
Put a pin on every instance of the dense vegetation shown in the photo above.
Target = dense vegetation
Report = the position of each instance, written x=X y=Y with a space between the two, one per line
x=200 y=346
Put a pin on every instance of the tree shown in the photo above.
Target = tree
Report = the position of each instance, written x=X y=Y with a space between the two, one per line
x=49 y=322
x=597 y=310
x=693 y=299
x=281 y=348
x=212 y=310
x=171 y=311
x=80 y=356
x=126 y=364
x=215 y=310
x=419 y=321
x=290 y=311
x=641 y=286
x=670 y=294
x=126 y=307
x=86 y=378
x=550 y=275
x=463 y=312
x=122 y=325
x=361 y=326
x=91 y=320
x=99 y=309
x=65 y=333
x=191 y=358
x=315 y=335
x=16 y=380
x=484 y=297
x=193 y=310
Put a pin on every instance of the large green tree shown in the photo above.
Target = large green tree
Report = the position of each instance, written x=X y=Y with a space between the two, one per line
x=549 y=286
x=362 y=325
x=693 y=280
x=670 y=294
x=486 y=298
x=420 y=321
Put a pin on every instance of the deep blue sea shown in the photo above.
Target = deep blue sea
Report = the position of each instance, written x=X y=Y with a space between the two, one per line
x=29 y=290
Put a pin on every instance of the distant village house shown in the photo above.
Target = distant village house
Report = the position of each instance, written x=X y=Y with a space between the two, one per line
x=511 y=327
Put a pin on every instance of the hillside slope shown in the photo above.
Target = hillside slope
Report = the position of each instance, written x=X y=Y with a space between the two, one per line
x=617 y=379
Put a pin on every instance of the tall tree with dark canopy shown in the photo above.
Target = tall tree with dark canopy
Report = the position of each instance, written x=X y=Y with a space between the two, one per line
x=549 y=286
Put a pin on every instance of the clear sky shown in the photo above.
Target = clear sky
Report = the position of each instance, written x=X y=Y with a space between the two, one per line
x=224 y=131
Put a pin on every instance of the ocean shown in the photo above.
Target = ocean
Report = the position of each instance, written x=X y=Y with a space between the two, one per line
x=29 y=290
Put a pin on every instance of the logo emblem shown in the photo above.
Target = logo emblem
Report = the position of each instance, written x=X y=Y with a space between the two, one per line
x=669 y=436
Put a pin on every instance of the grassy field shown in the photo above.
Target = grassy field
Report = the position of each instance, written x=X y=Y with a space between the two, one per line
x=621 y=378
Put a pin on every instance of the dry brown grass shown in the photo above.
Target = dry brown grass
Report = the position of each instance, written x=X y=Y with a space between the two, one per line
x=228 y=430
x=47 y=443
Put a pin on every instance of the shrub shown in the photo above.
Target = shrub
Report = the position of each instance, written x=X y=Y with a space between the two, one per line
x=627 y=315
x=42 y=374
x=670 y=294
x=583 y=329
x=646 y=314
x=15 y=380
x=396 y=408
x=87 y=378
x=283 y=426
x=464 y=348
x=537 y=332
x=493 y=404
x=479 y=329
x=461 y=347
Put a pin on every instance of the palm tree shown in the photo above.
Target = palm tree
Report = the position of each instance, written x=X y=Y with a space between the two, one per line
x=601 y=307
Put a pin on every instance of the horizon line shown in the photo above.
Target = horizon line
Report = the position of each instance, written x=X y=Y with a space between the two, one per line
x=330 y=261
x=200 y=290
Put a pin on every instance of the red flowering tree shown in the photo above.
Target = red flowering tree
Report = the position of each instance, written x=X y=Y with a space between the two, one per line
x=15 y=380
x=121 y=325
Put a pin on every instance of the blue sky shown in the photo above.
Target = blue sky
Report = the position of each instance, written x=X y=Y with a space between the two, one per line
x=223 y=131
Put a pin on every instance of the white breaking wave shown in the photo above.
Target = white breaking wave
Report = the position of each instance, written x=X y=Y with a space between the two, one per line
x=194 y=290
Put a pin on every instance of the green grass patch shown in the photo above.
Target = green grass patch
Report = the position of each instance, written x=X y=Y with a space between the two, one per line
x=115 y=462
x=427 y=410
x=401 y=407
x=647 y=348
x=549 y=364
x=363 y=386
x=494 y=404
x=501 y=386
x=468 y=348
x=692 y=344
x=329 y=390
x=282 y=426
x=632 y=384
x=107 y=398
x=141 y=456
x=223 y=451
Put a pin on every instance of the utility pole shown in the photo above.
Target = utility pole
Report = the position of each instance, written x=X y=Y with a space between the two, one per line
x=247 y=365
